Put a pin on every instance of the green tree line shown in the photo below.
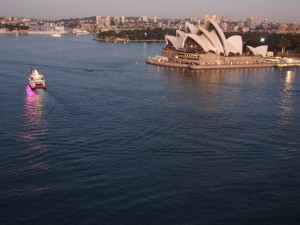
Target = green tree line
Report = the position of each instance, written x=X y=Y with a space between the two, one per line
x=15 y=27
x=276 y=42
x=143 y=34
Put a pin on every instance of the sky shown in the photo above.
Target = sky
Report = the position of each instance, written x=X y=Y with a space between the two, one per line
x=284 y=11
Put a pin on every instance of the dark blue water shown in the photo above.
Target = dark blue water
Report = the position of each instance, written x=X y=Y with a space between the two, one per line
x=116 y=141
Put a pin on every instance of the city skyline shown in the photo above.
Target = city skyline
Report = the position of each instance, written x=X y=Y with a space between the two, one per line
x=276 y=11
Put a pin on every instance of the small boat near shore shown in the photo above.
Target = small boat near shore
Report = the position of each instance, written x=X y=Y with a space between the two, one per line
x=56 y=35
x=36 y=80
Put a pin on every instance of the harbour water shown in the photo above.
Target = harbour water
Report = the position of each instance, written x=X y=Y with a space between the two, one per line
x=116 y=141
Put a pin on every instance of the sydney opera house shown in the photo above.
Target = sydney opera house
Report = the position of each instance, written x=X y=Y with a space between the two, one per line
x=207 y=47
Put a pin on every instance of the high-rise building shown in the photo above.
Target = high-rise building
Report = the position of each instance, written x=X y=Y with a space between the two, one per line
x=154 y=19
x=253 y=22
x=214 y=17
x=123 y=19
x=206 y=18
x=117 y=21
x=145 y=18
x=107 y=21
x=98 y=20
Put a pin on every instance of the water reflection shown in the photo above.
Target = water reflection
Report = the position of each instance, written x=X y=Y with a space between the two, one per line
x=33 y=108
x=35 y=130
x=286 y=103
x=34 y=125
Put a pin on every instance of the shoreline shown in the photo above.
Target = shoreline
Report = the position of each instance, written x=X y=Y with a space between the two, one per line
x=125 y=40
x=223 y=66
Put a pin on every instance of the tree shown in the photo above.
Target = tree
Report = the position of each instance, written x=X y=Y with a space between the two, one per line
x=283 y=44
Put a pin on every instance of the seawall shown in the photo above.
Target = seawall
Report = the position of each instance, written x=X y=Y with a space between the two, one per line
x=208 y=67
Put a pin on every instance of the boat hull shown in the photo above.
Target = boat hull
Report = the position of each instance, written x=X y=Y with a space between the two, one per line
x=34 y=86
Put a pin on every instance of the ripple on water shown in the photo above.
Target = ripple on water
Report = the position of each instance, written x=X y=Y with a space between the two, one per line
x=115 y=142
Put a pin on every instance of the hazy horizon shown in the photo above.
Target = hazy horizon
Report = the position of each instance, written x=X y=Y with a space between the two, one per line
x=274 y=11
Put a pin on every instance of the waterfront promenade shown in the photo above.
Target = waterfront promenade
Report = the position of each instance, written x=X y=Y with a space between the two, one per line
x=160 y=62
x=164 y=61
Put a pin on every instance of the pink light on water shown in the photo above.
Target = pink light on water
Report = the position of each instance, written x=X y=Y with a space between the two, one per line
x=35 y=128
x=33 y=112
x=33 y=106
x=30 y=92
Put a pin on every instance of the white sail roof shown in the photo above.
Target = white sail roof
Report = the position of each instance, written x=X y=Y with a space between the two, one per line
x=211 y=38
x=260 y=50
x=191 y=28
x=176 y=41
x=219 y=32
x=235 y=44
x=182 y=35
x=202 y=41
x=214 y=40
x=208 y=43
x=217 y=42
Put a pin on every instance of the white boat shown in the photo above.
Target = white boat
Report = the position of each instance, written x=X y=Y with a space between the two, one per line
x=36 y=80
x=77 y=31
x=56 y=35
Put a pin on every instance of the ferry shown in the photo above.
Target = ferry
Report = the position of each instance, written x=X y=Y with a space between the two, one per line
x=36 y=80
